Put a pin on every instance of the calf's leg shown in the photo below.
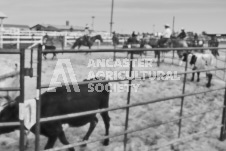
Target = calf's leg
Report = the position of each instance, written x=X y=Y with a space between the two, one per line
x=64 y=140
x=198 y=73
x=51 y=141
x=106 y=120
x=193 y=74
x=93 y=124
x=209 y=80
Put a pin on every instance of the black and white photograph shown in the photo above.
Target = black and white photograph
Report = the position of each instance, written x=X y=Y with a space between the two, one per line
x=112 y=75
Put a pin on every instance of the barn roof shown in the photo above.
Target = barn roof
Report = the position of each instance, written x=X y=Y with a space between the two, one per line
x=50 y=27
x=16 y=26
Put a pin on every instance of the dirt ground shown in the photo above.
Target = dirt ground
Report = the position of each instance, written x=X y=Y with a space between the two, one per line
x=141 y=116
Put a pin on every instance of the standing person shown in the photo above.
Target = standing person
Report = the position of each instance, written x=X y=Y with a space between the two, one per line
x=166 y=36
x=182 y=34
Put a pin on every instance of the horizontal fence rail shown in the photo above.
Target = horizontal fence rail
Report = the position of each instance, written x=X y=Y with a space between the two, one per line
x=130 y=49
x=125 y=106
x=9 y=51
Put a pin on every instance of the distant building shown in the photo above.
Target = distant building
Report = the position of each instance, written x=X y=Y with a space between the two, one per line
x=15 y=27
x=49 y=27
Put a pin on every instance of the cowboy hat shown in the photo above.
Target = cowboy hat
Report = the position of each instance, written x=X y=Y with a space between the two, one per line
x=167 y=25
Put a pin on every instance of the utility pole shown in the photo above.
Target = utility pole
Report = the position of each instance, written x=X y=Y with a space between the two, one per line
x=111 y=22
x=173 y=23
x=93 y=17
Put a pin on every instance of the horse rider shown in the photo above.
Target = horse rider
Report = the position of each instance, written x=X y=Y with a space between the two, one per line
x=166 y=36
x=213 y=42
x=45 y=38
x=196 y=39
x=113 y=34
x=182 y=34
x=86 y=33
x=134 y=37
x=47 y=41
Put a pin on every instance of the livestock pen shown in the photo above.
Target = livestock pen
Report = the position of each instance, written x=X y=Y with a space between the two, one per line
x=129 y=104
x=128 y=97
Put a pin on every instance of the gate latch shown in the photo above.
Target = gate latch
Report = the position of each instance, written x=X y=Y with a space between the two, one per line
x=28 y=72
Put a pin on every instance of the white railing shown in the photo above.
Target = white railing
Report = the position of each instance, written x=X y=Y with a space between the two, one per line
x=33 y=37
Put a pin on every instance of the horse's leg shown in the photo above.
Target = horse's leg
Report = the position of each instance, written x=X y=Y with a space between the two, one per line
x=54 y=55
x=93 y=124
x=163 y=56
x=44 y=55
x=209 y=80
x=106 y=120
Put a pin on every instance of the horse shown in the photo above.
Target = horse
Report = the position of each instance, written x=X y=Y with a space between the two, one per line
x=86 y=41
x=133 y=42
x=195 y=42
x=173 y=42
x=179 y=43
x=49 y=44
x=47 y=48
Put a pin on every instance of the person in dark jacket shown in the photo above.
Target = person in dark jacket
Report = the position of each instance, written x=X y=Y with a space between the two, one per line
x=182 y=34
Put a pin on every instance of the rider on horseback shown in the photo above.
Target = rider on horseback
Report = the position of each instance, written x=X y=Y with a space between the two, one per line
x=86 y=34
x=134 y=37
x=182 y=34
x=166 y=36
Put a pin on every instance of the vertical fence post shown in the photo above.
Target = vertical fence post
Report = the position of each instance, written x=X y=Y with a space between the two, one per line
x=128 y=100
x=216 y=67
x=22 y=60
x=182 y=99
x=1 y=39
x=18 y=41
x=223 y=121
x=114 y=54
x=65 y=41
x=173 y=56
x=158 y=62
x=31 y=61
x=38 y=109
x=224 y=64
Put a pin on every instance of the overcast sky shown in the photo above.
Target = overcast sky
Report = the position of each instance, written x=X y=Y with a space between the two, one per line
x=129 y=15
